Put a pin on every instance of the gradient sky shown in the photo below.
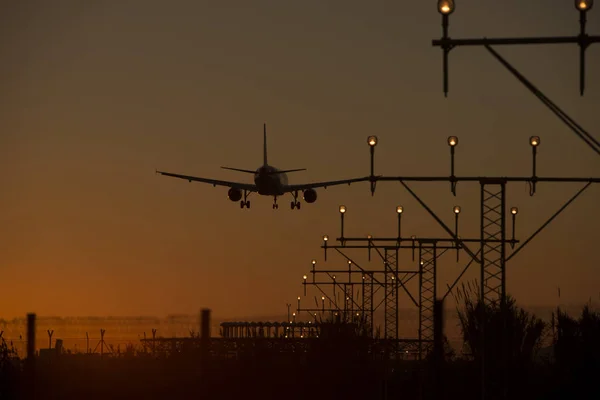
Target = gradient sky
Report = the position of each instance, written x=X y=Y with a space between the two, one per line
x=96 y=95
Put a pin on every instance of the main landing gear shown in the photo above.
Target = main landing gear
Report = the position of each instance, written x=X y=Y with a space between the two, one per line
x=295 y=203
x=275 y=205
x=245 y=202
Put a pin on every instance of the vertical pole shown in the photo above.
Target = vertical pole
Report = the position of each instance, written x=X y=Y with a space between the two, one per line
x=582 y=48
x=87 y=343
x=31 y=337
x=438 y=347
x=205 y=334
x=371 y=310
x=482 y=292
x=503 y=308
x=30 y=362
x=420 y=308
x=372 y=148
x=446 y=51
x=102 y=342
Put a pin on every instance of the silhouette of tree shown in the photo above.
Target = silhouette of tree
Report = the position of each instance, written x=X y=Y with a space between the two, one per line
x=577 y=352
x=523 y=331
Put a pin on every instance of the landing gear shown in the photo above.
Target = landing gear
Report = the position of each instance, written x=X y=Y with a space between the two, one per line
x=295 y=203
x=275 y=205
x=245 y=202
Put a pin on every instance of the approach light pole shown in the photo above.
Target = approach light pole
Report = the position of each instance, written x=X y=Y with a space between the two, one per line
x=342 y=210
x=399 y=211
x=372 y=141
x=583 y=40
x=452 y=142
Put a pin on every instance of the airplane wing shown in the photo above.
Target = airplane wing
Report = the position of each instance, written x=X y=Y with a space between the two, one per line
x=214 y=182
x=305 y=186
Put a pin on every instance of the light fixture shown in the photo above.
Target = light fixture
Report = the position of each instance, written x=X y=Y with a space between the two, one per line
x=304 y=277
x=446 y=7
x=456 y=209
x=314 y=262
x=584 y=5
x=534 y=141
x=349 y=262
x=514 y=210
x=452 y=141
x=372 y=140
x=342 y=209
x=325 y=238
x=399 y=209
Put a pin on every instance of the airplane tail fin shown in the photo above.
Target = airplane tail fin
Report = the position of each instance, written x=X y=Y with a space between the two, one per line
x=265 y=145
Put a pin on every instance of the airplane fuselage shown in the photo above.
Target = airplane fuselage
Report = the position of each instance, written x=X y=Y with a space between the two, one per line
x=269 y=181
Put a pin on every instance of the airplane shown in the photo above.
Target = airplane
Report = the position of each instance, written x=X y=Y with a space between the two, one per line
x=268 y=181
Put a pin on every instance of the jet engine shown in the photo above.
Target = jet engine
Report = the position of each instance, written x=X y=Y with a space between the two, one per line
x=234 y=194
x=310 y=195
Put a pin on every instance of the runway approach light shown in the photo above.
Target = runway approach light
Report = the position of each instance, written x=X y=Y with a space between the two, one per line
x=534 y=141
x=446 y=7
x=452 y=141
x=369 y=237
x=399 y=209
x=456 y=209
x=304 y=277
x=342 y=209
x=372 y=140
x=514 y=210
x=584 y=5
x=314 y=262
x=325 y=238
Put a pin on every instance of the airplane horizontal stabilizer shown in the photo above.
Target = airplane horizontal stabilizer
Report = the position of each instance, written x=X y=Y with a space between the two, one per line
x=290 y=170
x=240 y=170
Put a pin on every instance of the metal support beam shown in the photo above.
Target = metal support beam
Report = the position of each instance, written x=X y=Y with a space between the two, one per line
x=427 y=297
x=493 y=232
x=391 y=294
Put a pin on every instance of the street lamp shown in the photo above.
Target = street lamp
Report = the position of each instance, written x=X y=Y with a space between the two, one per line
x=304 y=283
x=372 y=141
x=513 y=211
x=534 y=141
x=342 y=210
x=584 y=5
x=445 y=7
x=452 y=142
x=399 y=210
x=456 y=211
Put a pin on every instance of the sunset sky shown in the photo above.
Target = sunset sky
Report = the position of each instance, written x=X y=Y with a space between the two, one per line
x=96 y=95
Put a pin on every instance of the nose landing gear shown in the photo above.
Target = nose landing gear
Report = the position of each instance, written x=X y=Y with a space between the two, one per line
x=275 y=205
